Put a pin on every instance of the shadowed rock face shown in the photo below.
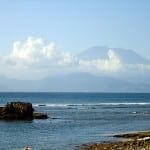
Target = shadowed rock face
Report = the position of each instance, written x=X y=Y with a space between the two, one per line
x=17 y=110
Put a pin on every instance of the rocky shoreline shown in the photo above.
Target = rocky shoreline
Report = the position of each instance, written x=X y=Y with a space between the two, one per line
x=135 y=141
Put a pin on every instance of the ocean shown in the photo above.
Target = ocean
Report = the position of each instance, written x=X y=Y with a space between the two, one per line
x=74 y=119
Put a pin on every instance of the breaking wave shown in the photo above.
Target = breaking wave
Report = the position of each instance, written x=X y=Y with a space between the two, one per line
x=86 y=104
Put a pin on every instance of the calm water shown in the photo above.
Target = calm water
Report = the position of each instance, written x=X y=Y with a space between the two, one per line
x=74 y=119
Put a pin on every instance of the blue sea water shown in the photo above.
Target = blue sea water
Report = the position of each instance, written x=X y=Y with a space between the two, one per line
x=74 y=119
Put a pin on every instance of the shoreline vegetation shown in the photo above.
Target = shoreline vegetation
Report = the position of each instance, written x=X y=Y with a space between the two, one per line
x=134 y=141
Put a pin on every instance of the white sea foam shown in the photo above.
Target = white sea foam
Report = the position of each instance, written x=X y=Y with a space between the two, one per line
x=86 y=104
x=49 y=105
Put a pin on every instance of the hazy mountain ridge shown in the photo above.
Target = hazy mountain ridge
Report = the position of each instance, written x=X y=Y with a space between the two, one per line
x=78 y=82
x=83 y=81
x=126 y=55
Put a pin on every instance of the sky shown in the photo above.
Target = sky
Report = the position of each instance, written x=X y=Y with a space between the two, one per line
x=75 y=25
x=69 y=26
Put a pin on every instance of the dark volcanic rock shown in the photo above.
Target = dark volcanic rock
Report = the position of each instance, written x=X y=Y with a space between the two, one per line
x=17 y=110
x=40 y=116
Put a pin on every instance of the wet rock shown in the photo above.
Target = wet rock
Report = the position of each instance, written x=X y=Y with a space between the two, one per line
x=137 y=141
x=40 y=116
x=18 y=110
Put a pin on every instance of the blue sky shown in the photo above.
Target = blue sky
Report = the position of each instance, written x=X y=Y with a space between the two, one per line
x=75 y=25
x=41 y=38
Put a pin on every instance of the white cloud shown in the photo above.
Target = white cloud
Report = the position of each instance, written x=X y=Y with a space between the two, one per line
x=37 y=58
x=37 y=52
x=137 y=68
x=33 y=51
x=112 y=64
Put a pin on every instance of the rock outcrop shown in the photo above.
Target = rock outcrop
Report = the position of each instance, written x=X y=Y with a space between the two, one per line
x=40 y=116
x=134 y=141
x=18 y=110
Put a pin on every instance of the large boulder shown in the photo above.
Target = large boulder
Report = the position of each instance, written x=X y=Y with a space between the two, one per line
x=17 y=110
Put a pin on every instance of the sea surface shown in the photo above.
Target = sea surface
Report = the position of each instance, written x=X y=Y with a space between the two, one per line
x=74 y=119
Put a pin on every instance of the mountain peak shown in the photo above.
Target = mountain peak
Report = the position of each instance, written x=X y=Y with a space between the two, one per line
x=125 y=55
x=94 y=52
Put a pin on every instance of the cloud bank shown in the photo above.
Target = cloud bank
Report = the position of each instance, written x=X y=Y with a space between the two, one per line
x=36 y=58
